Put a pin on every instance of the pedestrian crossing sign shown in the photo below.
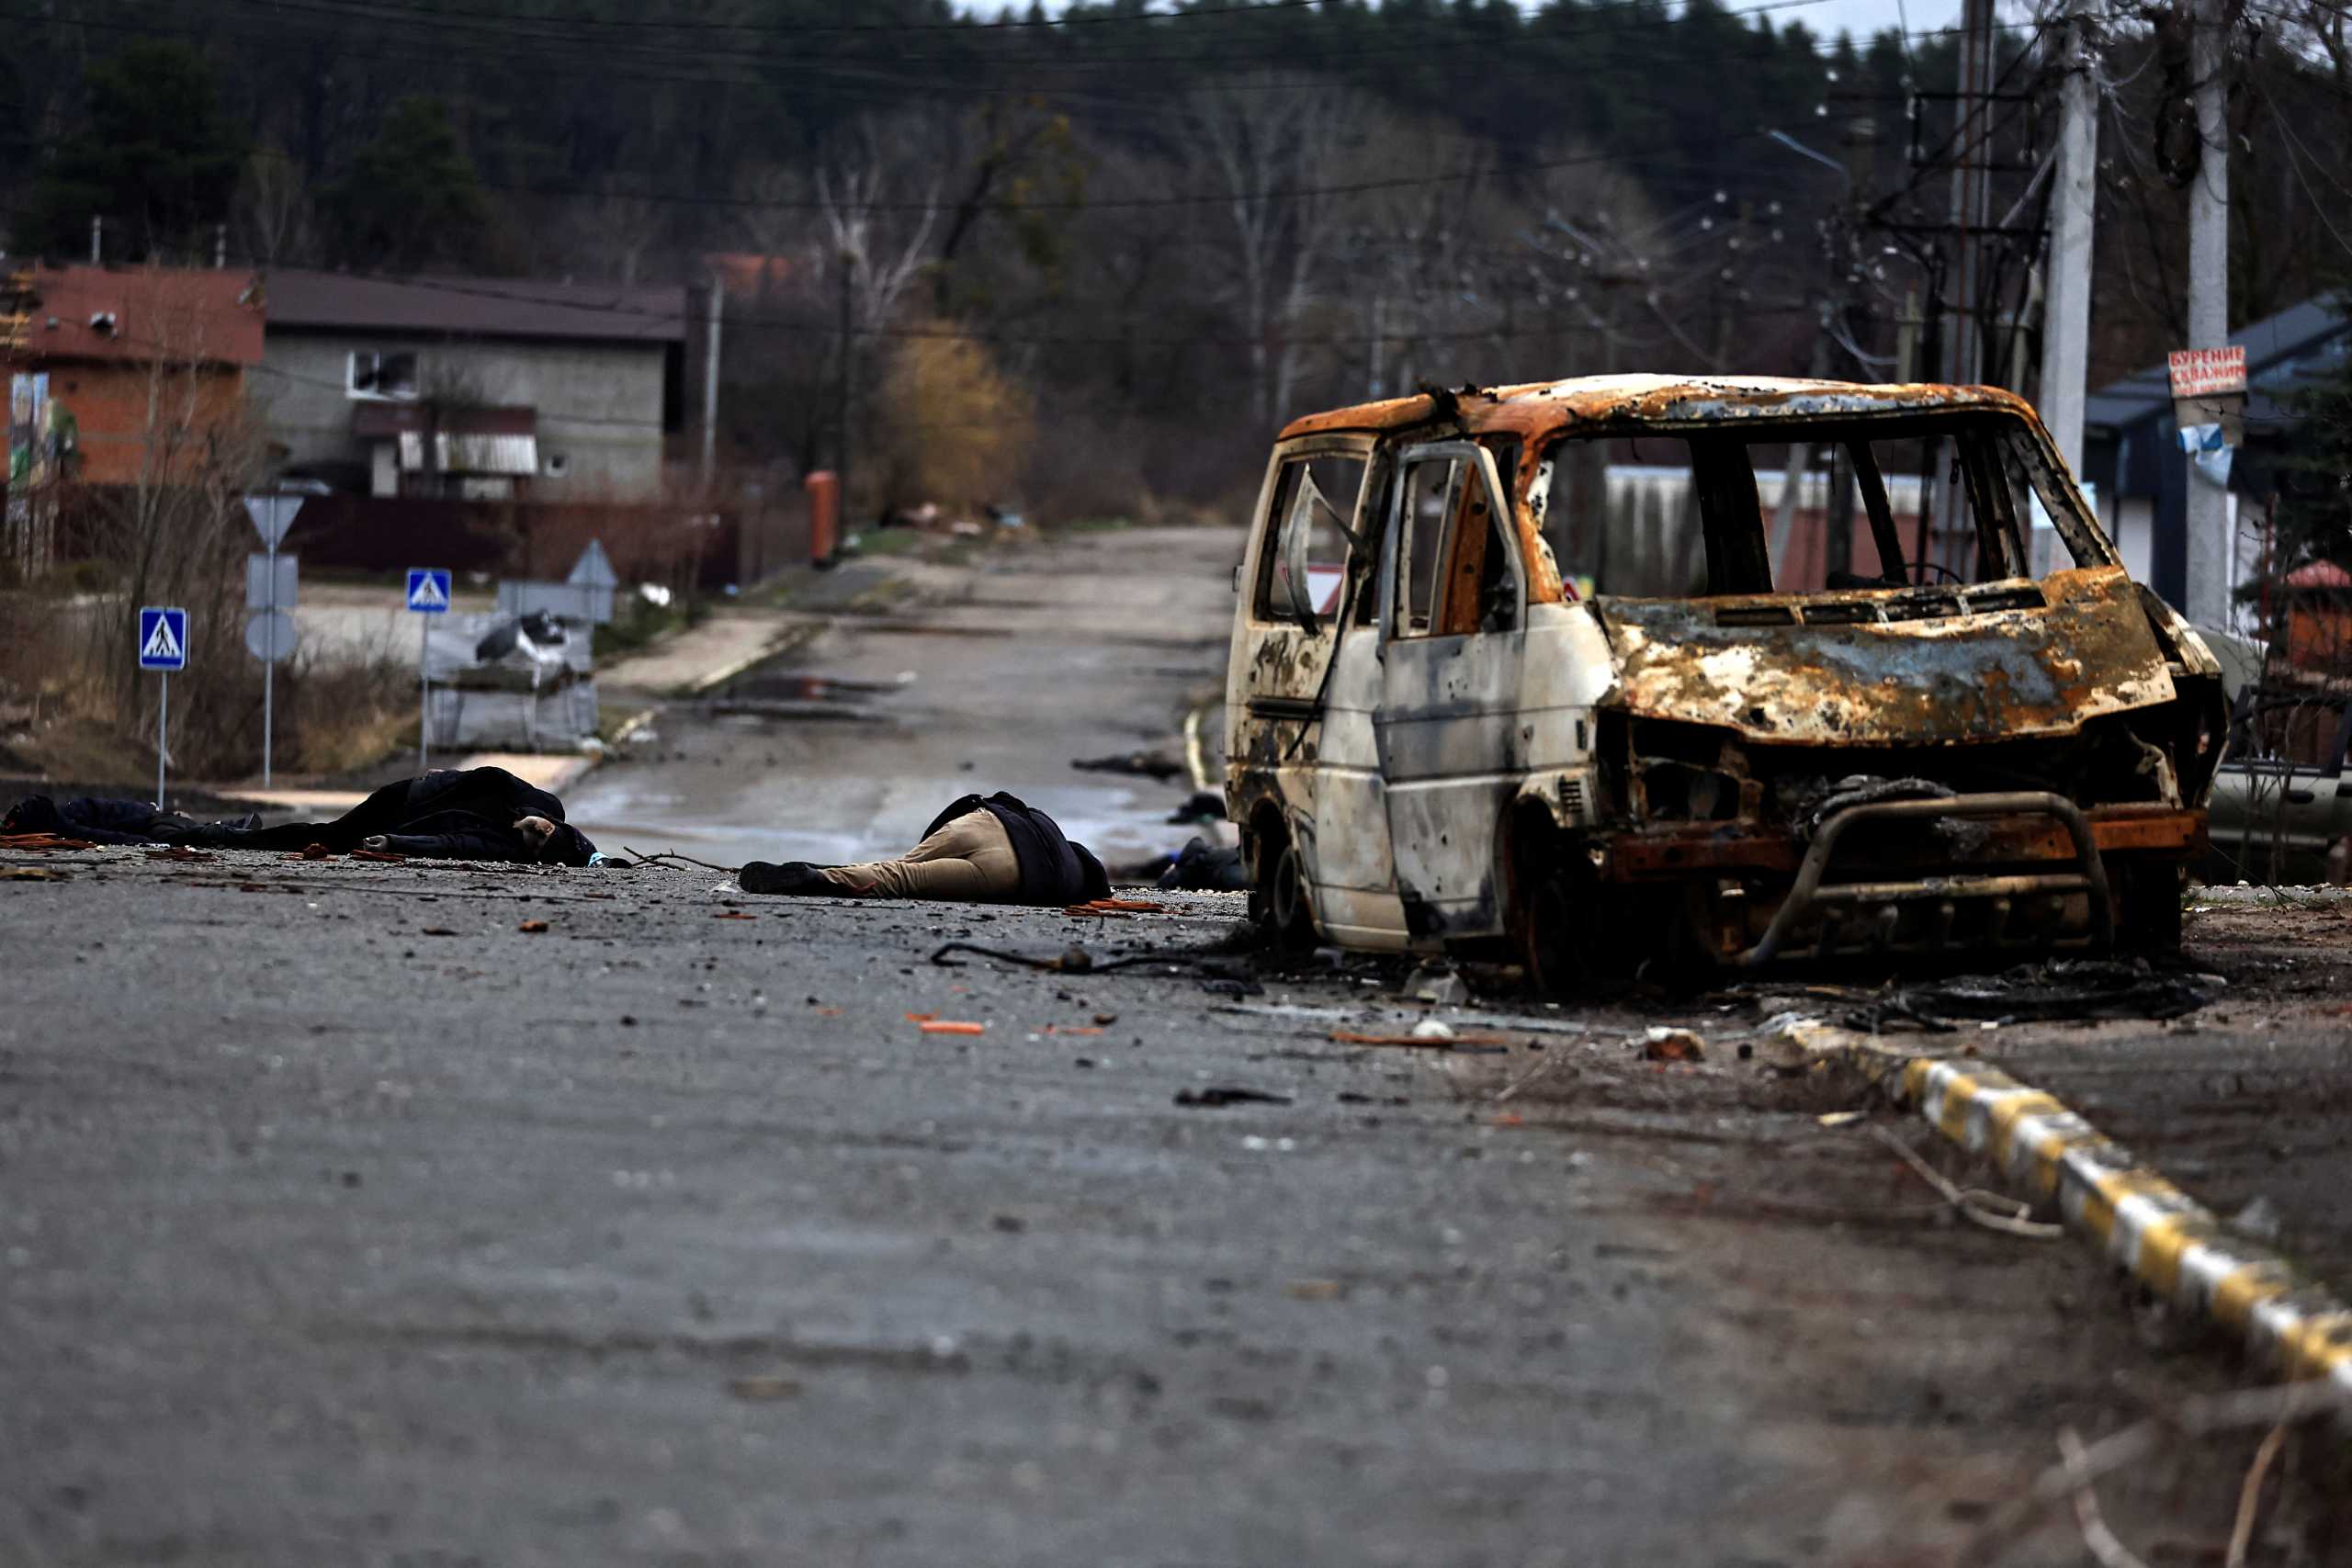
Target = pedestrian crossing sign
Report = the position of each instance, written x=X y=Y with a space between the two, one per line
x=162 y=639
x=428 y=589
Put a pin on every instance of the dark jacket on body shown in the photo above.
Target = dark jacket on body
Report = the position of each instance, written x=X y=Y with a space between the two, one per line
x=450 y=815
x=1053 y=870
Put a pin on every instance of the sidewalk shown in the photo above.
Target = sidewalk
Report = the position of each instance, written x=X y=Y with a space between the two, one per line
x=727 y=643
x=552 y=772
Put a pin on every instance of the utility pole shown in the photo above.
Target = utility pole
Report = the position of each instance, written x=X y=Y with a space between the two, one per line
x=710 y=379
x=2208 y=552
x=841 y=386
x=1972 y=211
x=2066 y=309
x=1971 y=192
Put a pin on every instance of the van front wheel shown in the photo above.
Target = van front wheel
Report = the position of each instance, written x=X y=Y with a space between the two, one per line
x=1278 y=895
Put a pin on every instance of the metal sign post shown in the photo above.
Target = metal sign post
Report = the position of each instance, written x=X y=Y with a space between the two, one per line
x=428 y=594
x=272 y=515
x=162 y=646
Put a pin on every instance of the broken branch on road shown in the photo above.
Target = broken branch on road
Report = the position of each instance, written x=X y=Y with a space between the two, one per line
x=1990 y=1210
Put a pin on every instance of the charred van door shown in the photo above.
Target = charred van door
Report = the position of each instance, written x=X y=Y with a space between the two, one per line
x=1454 y=616
x=1308 y=677
x=1307 y=543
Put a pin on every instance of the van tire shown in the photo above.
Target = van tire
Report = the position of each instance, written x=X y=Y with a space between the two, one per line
x=1279 y=901
x=2149 y=923
x=1554 y=896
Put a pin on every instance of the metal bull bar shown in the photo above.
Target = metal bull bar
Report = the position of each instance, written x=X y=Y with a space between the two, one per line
x=2089 y=875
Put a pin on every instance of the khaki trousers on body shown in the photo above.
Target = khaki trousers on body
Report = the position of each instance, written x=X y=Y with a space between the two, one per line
x=968 y=860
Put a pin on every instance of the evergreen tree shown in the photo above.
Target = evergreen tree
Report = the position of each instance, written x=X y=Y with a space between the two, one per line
x=155 y=156
x=2313 y=518
x=412 y=198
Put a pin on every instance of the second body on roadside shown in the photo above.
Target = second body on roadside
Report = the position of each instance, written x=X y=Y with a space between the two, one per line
x=995 y=849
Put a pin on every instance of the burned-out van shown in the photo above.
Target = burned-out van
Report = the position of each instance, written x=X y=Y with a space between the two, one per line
x=1731 y=671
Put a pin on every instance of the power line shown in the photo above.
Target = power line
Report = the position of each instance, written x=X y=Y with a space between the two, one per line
x=806 y=327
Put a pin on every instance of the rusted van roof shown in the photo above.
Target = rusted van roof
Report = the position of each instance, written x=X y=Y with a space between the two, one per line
x=1539 y=407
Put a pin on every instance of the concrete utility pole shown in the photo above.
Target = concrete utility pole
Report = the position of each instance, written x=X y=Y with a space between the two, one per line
x=2066 y=314
x=1962 y=336
x=841 y=390
x=1971 y=192
x=2208 y=574
x=710 y=379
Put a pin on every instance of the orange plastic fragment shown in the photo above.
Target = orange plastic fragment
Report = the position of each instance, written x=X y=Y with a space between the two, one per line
x=951 y=1026
x=920 y=1017
x=533 y=926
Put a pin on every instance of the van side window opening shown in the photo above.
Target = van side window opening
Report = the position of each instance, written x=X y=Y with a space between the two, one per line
x=1453 y=563
x=1313 y=512
x=1661 y=516
x=1433 y=490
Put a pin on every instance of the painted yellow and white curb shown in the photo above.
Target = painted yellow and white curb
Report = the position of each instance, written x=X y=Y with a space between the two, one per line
x=2174 y=1245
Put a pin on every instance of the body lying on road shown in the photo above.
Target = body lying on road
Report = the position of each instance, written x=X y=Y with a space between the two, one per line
x=450 y=814
x=997 y=850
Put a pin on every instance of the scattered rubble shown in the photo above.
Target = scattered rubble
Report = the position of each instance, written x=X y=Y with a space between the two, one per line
x=2059 y=991
x=1663 y=1044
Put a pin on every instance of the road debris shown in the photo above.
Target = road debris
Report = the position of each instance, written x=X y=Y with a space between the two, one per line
x=1116 y=907
x=181 y=853
x=2059 y=990
x=531 y=927
x=951 y=1026
x=1440 y=986
x=1219 y=1095
x=1202 y=868
x=41 y=843
x=1993 y=1211
x=1449 y=1040
x=1660 y=1044
x=1156 y=765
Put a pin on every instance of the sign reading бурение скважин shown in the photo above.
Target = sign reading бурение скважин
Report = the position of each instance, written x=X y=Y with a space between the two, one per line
x=2206 y=372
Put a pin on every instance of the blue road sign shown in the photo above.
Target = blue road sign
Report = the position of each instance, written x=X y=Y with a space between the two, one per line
x=428 y=589
x=162 y=639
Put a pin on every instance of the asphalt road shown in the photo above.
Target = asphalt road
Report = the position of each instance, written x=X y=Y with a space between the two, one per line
x=1045 y=656
x=347 y=1219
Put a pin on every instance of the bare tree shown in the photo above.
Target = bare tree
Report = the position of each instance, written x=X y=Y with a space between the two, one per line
x=613 y=234
x=174 y=528
x=1270 y=147
x=275 y=219
x=874 y=221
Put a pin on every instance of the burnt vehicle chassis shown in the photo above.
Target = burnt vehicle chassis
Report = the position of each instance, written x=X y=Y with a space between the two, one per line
x=1924 y=770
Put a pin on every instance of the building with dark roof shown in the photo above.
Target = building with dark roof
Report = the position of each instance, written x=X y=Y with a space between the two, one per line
x=2131 y=452
x=474 y=388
